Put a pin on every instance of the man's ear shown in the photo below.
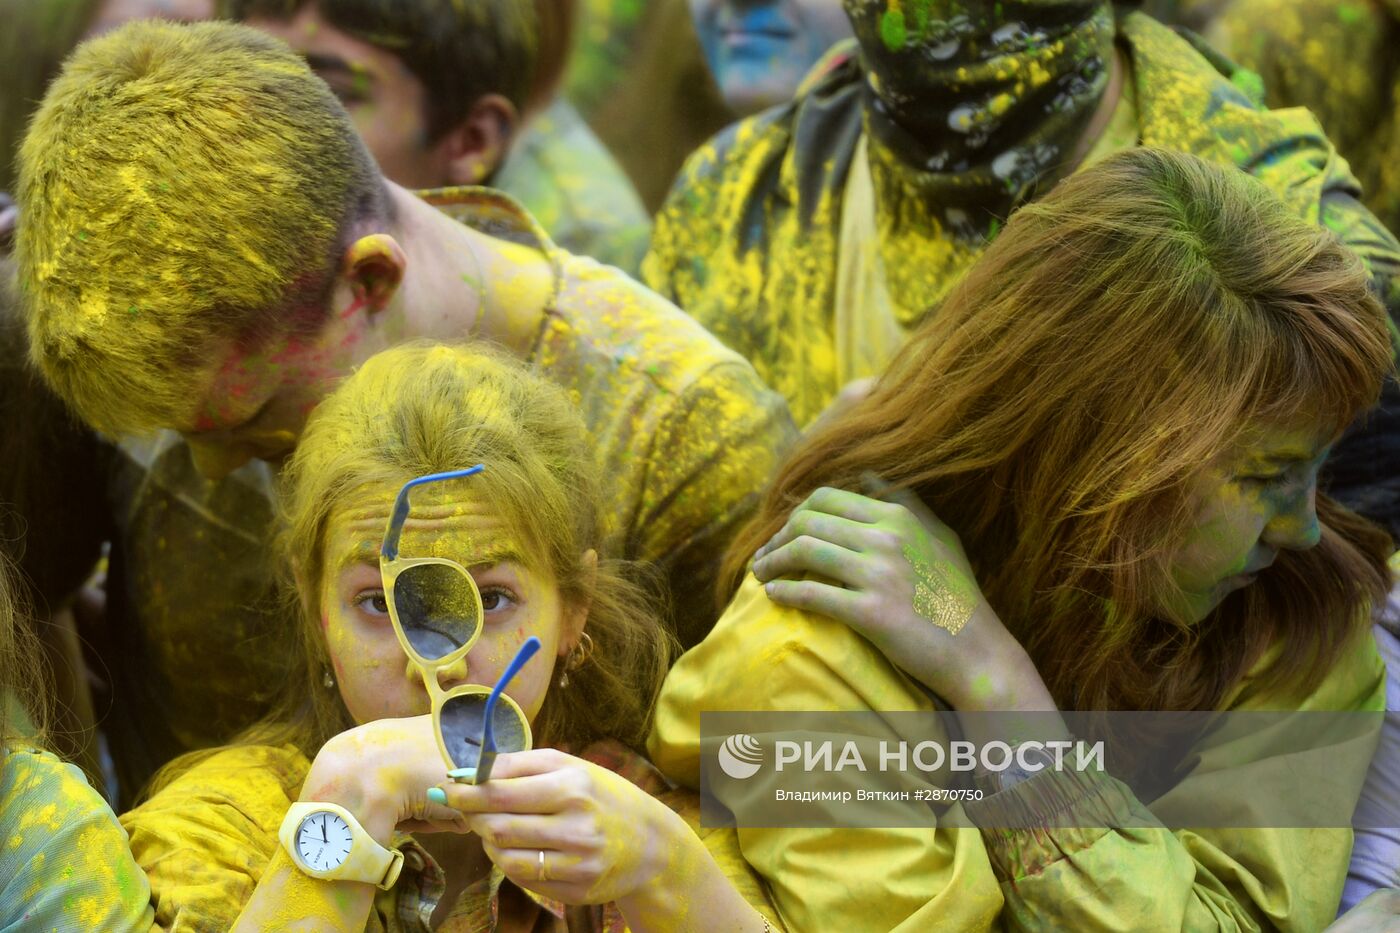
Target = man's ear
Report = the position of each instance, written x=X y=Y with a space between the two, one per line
x=373 y=266
x=473 y=149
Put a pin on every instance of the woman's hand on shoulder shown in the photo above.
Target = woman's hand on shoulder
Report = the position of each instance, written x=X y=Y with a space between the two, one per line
x=896 y=574
x=381 y=772
x=571 y=830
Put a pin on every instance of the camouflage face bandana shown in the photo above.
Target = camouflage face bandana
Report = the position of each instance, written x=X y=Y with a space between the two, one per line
x=987 y=97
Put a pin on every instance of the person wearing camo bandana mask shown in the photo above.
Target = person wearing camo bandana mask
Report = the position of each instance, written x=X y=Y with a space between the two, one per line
x=987 y=100
x=813 y=236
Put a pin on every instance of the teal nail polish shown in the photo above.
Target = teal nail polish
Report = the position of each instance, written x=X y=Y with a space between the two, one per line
x=461 y=774
x=437 y=795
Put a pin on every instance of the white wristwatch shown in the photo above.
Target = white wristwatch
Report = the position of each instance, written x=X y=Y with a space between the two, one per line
x=326 y=841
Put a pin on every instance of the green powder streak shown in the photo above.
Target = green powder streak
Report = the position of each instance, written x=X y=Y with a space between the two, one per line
x=892 y=30
x=920 y=8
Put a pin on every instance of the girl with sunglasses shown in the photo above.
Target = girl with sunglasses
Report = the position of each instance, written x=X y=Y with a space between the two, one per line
x=1122 y=413
x=339 y=813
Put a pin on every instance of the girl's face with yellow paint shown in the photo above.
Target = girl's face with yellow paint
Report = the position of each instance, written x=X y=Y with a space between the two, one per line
x=1251 y=504
x=375 y=677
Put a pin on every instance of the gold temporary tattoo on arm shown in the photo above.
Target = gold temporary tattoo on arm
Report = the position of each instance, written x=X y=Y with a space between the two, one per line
x=943 y=594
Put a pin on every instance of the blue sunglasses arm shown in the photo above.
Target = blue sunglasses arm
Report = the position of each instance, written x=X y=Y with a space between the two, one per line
x=390 y=548
x=523 y=654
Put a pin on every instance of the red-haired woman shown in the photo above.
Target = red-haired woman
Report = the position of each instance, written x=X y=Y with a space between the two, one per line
x=1122 y=412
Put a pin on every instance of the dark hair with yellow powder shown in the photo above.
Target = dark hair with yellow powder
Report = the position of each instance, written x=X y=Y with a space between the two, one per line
x=419 y=409
x=459 y=50
x=182 y=187
x=1115 y=339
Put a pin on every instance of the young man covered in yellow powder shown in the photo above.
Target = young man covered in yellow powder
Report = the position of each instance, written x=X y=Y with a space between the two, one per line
x=811 y=238
x=448 y=93
x=207 y=247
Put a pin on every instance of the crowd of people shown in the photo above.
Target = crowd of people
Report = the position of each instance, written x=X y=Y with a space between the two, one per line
x=421 y=412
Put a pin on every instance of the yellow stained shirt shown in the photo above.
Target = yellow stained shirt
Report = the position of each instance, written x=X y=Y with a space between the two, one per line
x=764 y=657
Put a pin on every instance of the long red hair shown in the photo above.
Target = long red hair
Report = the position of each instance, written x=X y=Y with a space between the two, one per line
x=1119 y=335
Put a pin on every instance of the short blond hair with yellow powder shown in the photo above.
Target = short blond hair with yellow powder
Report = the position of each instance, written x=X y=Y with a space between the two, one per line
x=179 y=187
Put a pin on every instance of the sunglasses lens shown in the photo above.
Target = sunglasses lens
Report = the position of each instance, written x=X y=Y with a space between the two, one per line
x=461 y=723
x=438 y=608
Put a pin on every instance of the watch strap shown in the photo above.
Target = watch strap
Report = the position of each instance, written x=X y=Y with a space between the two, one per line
x=367 y=862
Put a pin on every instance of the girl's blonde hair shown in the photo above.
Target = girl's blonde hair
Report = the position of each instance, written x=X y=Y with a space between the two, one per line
x=419 y=409
x=1118 y=336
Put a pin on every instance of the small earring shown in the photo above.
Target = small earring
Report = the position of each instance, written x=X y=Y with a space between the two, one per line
x=582 y=651
x=577 y=658
x=327 y=680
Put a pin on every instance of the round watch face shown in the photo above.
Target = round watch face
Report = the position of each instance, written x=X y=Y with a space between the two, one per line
x=323 y=840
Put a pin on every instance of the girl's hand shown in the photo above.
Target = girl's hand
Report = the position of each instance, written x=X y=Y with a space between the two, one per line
x=381 y=772
x=897 y=575
x=602 y=837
